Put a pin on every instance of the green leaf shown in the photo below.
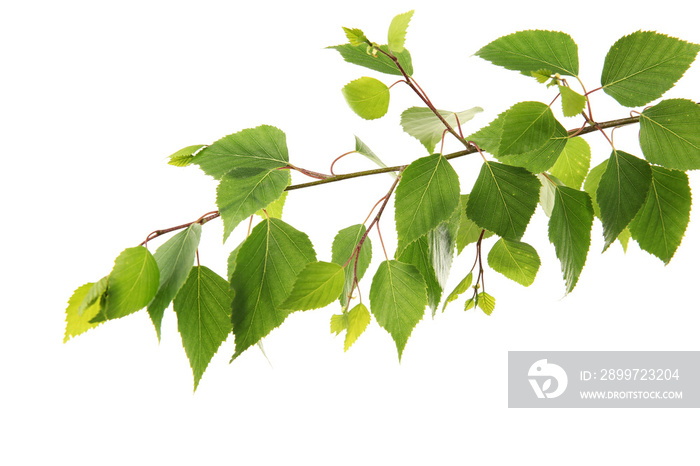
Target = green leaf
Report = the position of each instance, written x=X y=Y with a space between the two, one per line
x=426 y=196
x=418 y=254
x=669 y=134
x=397 y=31
x=570 y=231
x=355 y=322
x=526 y=126
x=260 y=147
x=573 y=163
x=362 y=148
x=362 y=55
x=316 y=286
x=542 y=76
x=356 y=36
x=661 y=222
x=572 y=102
x=468 y=304
x=244 y=191
x=503 y=199
x=344 y=245
x=486 y=302
x=642 y=66
x=516 y=260
x=203 y=308
x=621 y=192
x=398 y=299
x=132 y=283
x=528 y=51
x=275 y=208
x=96 y=292
x=592 y=182
x=547 y=193
x=174 y=258
x=542 y=158
x=184 y=157
x=267 y=265
x=459 y=289
x=368 y=97
x=77 y=323
x=469 y=232
x=424 y=125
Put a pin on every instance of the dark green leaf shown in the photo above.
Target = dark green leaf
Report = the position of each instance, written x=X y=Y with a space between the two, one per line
x=267 y=265
x=244 y=191
x=528 y=51
x=316 y=286
x=469 y=232
x=343 y=247
x=516 y=260
x=418 y=254
x=570 y=231
x=174 y=258
x=260 y=147
x=362 y=55
x=426 y=196
x=669 y=134
x=526 y=126
x=422 y=124
x=368 y=97
x=642 y=66
x=542 y=158
x=661 y=222
x=503 y=199
x=203 y=308
x=398 y=300
x=621 y=192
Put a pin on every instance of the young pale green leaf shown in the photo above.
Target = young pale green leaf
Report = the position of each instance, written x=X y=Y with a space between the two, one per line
x=203 y=309
x=547 y=192
x=542 y=76
x=573 y=163
x=669 y=134
x=621 y=192
x=355 y=322
x=316 y=286
x=339 y=322
x=424 y=125
x=642 y=66
x=184 y=157
x=486 y=302
x=364 y=55
x=469 y=303
x=526 y=126
x=273 y=209
x=532 y=51
x=362 y=148
x=244 y=191
x=469 y=232
x=516 y=260
x=132 y=283
x=661 y=222
x=503 y=199
x=260 y=147
x=397 y=31
x=344 y=245
x=368 y=97
x=398 y=299
x=426 y=196
x=570 y=231
x=356 y=36
x=174 y=258
x=77 y=323
x=571 y=101
x=459 y=289
x=442 y=242
x=267 y=265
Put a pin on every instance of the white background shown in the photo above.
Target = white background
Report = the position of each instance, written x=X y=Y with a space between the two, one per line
x=96 y=95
